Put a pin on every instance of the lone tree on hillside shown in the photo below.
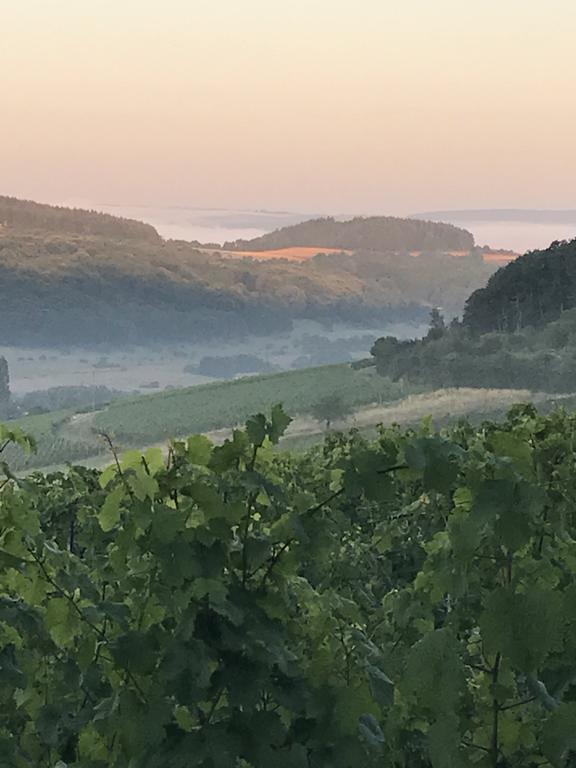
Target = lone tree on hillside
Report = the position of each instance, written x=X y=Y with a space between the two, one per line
x=4 y=388
x=437 y=327
x=331 y=408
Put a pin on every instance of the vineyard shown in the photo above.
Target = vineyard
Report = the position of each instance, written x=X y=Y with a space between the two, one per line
x=55 y=442
x=63 y=436
x=406 y=602
x=153 y=418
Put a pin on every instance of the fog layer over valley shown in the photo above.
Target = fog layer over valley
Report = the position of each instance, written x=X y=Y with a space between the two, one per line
x=160 y=366
x=79 y=278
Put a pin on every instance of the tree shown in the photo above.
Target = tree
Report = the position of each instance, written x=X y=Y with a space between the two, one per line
x=437 y=325
x=4 y=388
x=329 y=409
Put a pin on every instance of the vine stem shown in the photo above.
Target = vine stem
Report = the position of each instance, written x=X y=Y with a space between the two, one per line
x=65 y=595
x=101 y=635
x=106 y=437
x=495 y=741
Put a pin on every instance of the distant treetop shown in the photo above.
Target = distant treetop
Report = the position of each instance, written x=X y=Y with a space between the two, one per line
x=377 y=233
x=27 y=216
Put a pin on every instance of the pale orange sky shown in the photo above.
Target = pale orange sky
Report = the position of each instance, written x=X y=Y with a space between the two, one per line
x=309 y=105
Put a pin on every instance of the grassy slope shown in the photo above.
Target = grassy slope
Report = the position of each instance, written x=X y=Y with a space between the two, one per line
x=56 y=442
x=65 y=436
x=152 y=419
x=213 y=406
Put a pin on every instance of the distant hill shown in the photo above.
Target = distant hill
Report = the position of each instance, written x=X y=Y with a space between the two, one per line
x=27 y=216
x=377 y=233
x=530 y=291
x=117 y=282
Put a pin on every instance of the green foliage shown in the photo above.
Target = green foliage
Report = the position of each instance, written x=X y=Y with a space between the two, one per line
x=541 y=359
x=530 y=291
x=330 y=408
x=409 y=602
x=53 y=446
x=437 y=325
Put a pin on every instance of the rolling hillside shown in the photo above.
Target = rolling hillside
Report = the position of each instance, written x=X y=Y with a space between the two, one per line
x=215 y=409
x=28 y=216
x=75 y=277
x=68 y=436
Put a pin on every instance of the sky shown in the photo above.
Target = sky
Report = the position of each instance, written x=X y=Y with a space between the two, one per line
x=364 y=106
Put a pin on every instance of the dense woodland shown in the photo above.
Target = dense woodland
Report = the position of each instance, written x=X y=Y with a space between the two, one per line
x=368 y=233
x=120 y=289
x=27 y=216
x=517 y=332
x=542 y=360
x=530 y=291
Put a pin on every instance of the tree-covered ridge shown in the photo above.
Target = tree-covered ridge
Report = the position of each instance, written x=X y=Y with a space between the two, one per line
x=86 y=289
x=408 y=603
x=25 y=215
x=532 y=290
x=541 y=359
x=379 y=233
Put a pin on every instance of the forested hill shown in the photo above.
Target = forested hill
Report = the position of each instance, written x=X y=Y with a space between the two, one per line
x=26 y=216
x=379 y=233
x=76 y=277
x=533 y=290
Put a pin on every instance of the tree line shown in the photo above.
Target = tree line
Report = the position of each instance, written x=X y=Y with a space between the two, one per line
x=379 y=233
x=530 y=291
x=26 y=215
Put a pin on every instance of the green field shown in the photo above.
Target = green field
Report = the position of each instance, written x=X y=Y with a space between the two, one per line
x=64 y=436
x=56 y=439
x=153 y=418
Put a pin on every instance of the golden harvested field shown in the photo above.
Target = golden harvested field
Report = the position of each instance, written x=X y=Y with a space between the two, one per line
x=301 y=254
x=493 y=257
x=295 y=253
x=500 y=258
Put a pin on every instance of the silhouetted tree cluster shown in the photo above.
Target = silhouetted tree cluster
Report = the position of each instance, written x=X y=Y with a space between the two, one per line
x=540 y=359
x=437 y=327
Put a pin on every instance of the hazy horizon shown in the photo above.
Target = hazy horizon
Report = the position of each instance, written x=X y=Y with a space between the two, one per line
x=219 y=225
x=324 y=106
